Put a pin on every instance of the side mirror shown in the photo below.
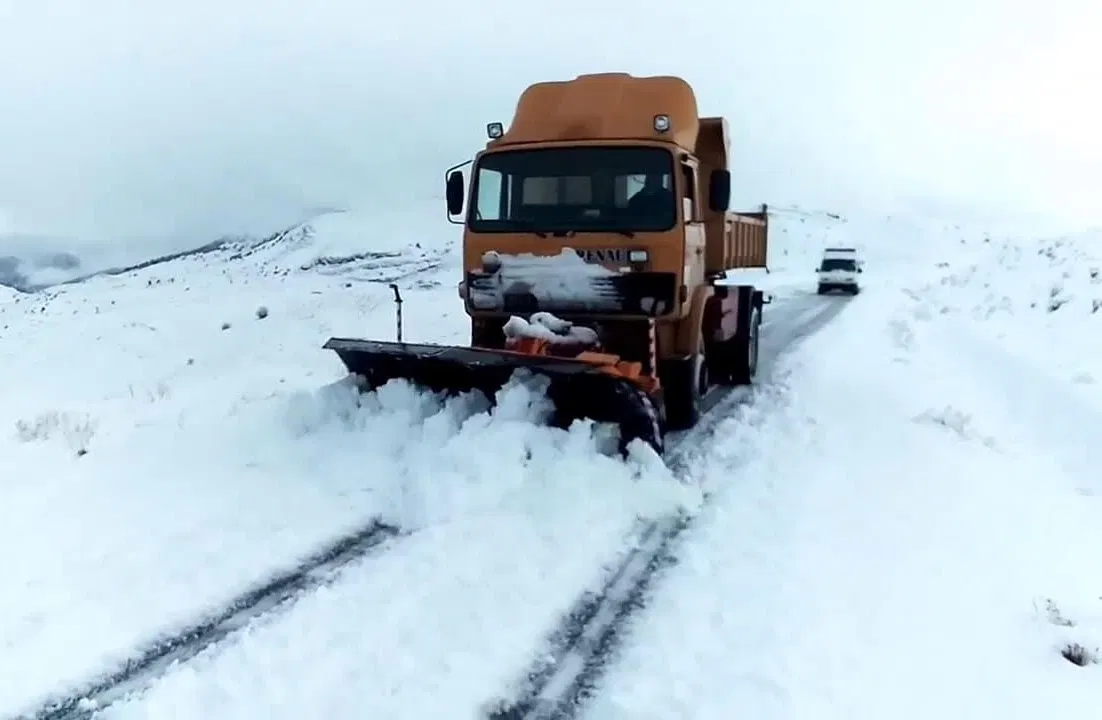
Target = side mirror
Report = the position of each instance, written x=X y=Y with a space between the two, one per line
x=455 y=193
x=719 y=191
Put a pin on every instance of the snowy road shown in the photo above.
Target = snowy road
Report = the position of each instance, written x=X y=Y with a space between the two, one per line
x=445 y=618
x=583 y=643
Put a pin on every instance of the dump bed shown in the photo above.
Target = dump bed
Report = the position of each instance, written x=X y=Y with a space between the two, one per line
x=737 y=240
x=734 y=239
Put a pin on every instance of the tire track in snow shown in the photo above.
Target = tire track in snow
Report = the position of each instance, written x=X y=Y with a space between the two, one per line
x=278 y=591
x=566 y=672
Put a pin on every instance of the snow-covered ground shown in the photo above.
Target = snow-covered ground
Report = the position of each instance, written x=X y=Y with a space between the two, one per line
x=441 y=623
x=1041 y=297
x=177 y=450
x=187 y=442
x=913 y=506
x=913 y=529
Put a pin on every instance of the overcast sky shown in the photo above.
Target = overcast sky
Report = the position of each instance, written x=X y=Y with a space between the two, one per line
x=180 y=121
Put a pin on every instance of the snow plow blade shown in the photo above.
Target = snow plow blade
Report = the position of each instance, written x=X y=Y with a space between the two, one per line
x=588 y=386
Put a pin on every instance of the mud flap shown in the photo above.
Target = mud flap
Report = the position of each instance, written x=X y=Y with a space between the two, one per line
x=577 y=389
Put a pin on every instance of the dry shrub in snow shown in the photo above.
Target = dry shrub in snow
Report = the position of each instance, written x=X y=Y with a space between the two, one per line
x=1077 y=654
x=958 y=422
x=75 y=431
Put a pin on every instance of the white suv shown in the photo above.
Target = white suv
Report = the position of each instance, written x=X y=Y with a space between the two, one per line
x=839 y=270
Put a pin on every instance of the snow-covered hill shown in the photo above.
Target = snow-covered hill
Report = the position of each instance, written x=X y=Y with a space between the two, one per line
x=177 y=437
x=326 y=240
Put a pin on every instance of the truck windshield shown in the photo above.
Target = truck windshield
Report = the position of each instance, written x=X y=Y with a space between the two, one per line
x=838 y=264
x=594 y=189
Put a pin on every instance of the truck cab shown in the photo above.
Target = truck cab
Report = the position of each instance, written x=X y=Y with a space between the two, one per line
x=840 y=269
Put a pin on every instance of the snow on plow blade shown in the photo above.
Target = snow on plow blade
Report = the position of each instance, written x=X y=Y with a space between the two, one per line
x=578 y=389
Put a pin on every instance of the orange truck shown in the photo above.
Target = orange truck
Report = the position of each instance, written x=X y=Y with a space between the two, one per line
x=596 y=238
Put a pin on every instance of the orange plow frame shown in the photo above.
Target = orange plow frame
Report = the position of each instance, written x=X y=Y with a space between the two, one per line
x=607 y=363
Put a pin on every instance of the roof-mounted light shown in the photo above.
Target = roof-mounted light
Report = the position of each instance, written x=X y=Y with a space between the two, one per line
x=661 y=123
x=495 y=130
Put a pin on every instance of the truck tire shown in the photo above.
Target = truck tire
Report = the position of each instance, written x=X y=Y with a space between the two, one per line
x=684 y=382
x=744 y=365
x=822 y=290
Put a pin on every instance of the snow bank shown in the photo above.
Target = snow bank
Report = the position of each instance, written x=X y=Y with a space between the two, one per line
x=899 y=516
x=471 y=443
x=1040 y=297
x=1005 y=277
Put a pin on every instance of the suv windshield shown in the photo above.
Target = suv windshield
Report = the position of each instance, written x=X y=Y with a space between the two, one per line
x=596 y=189
x=838 y=264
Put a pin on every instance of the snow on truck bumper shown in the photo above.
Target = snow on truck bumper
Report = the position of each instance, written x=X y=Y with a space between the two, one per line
x=645 y=293
x=566 y=283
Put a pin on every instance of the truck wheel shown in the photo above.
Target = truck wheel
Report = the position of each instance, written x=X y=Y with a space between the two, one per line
x=822 y=290
x=684 y=384
x=745 y=363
